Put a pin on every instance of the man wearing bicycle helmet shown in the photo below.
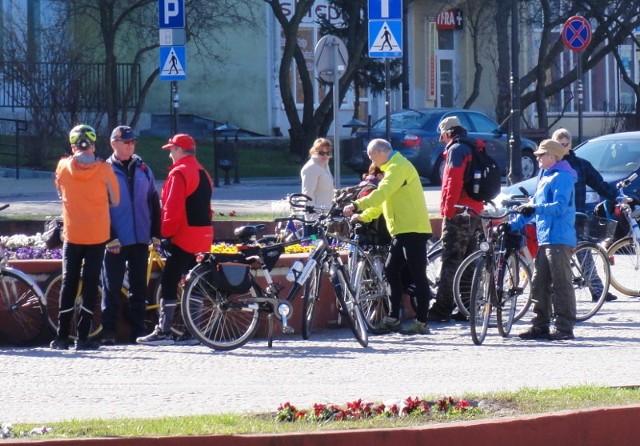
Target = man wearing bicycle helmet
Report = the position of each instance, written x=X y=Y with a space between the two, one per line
x=87 y=186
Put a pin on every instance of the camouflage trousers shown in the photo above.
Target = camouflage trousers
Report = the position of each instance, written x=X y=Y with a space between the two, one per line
x=458 y=241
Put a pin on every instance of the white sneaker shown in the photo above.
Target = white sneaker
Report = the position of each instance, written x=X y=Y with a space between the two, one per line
x=156 y=337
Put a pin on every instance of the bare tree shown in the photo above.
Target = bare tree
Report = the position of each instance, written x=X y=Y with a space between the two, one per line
x=314 y=121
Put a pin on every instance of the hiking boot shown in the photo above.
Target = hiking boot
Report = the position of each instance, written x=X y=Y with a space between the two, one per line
x=108 y=338
x=59 y=344
x=387 y=325
x=535 y=333
x=87 y=344
x=415 y=328
x=156 y=337
x=561 y=335
x=186 y=338
x=608 y=298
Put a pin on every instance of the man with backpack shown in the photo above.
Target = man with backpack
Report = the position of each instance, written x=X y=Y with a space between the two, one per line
x=457 y=230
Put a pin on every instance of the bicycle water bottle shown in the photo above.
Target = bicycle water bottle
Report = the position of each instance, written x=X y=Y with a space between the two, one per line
x=295 y=271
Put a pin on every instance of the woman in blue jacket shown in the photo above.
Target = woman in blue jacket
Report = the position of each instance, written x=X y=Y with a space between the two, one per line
x=554 y=210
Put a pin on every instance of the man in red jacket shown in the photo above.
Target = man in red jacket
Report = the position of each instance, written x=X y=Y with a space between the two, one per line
x=186 y=224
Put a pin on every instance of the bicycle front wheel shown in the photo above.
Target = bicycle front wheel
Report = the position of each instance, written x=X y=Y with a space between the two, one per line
x=625 y=266
x=349 y=306
x=590 y=269
x=462 y=281
x=52 y=290
x=480 y=301
x=219 y=320
x=516 y=292
x=310 y=302
x=22 y=310
x=371 y=290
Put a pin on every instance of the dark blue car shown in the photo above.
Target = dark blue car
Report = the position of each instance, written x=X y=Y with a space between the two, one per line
x=415 y=134
x=615 y=156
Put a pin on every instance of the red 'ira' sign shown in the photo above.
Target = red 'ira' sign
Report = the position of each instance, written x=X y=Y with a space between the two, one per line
x=450 y=19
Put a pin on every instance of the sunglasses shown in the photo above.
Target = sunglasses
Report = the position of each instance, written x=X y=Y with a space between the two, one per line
x=324 y=153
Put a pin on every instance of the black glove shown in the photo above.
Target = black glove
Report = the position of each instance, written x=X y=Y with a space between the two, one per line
x=527 y=210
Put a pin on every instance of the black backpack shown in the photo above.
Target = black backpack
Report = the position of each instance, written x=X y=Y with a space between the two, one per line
x=482 y=178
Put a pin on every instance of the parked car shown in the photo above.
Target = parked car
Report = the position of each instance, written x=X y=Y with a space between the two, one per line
x=415 y=134
x=615 y=156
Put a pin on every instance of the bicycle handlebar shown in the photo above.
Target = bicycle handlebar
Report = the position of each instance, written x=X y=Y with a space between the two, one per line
x=626 y=182
x=504 y=214
x=3 y=207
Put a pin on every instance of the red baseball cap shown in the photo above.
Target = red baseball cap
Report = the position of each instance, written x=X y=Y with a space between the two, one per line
x=181 y=140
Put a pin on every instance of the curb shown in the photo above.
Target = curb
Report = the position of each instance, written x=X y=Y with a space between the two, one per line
x=593 y=427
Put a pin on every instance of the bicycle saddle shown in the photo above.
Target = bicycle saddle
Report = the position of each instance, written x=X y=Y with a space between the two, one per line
x=249 y=232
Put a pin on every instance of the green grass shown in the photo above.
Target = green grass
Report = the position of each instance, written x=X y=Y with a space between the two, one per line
x=493 y=405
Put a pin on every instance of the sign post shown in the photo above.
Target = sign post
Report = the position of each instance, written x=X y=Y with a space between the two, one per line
x=576 y=35
x=385 y=40
x=331 y=59
x=172 y=52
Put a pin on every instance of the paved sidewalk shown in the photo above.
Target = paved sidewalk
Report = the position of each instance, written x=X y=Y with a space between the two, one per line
x=41 y=385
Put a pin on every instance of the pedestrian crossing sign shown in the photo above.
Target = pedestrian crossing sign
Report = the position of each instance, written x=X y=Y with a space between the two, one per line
x=173 y=63
x=385 y=38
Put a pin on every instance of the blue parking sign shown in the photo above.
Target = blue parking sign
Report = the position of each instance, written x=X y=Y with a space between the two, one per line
x=171 y=14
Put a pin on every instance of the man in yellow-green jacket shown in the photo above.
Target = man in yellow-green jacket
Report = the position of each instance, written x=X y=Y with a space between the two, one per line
x=400 y=199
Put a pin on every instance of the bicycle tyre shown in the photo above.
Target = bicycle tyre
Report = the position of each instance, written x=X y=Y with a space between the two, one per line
x=590 y=268
x=625 y=266
x=480 y=301
x=177 y=326
x=349 y=307
x=22 y=309
x=372 y=294
x=52 y=289
x=310 y=300
x=219 y=320
x=434 y=267
x=512 y=288
x=464 y=276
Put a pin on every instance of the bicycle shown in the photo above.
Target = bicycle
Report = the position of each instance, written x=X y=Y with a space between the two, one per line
x=499 y=278
x=624 y=254
x=224 y=316
x=53 y=286
x=22 y=309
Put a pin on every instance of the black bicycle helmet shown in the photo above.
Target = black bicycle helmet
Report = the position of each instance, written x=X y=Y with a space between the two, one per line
x=82 y=136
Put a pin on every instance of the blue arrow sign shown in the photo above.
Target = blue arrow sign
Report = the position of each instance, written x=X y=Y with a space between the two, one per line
x=385 y=9
x=385 y=38
x=173 y=63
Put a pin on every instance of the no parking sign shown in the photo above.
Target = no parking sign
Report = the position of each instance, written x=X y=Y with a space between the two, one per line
x=576 y=33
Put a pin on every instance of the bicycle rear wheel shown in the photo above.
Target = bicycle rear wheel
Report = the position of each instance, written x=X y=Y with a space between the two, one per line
x=372 y=296
x=219 y=320
x=480 y=300
x=311 y=296
x=590 y=268
x=516 y=292
x=625 y=266
x=52 y=301
x=22 y=310
x=349 y=306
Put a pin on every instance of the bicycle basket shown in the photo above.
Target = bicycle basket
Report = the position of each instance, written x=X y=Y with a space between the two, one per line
x=594 y=229
x=231 y=277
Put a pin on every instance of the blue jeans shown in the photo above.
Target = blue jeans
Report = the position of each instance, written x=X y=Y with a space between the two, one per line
x=135 y=258
x=77 y=260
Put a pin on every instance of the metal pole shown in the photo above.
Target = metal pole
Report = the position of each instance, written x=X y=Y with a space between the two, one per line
x=216 y=178
x=175 y=105
x=336 y=109
x=515 y=141
x=580 y=97
x=387 y=99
